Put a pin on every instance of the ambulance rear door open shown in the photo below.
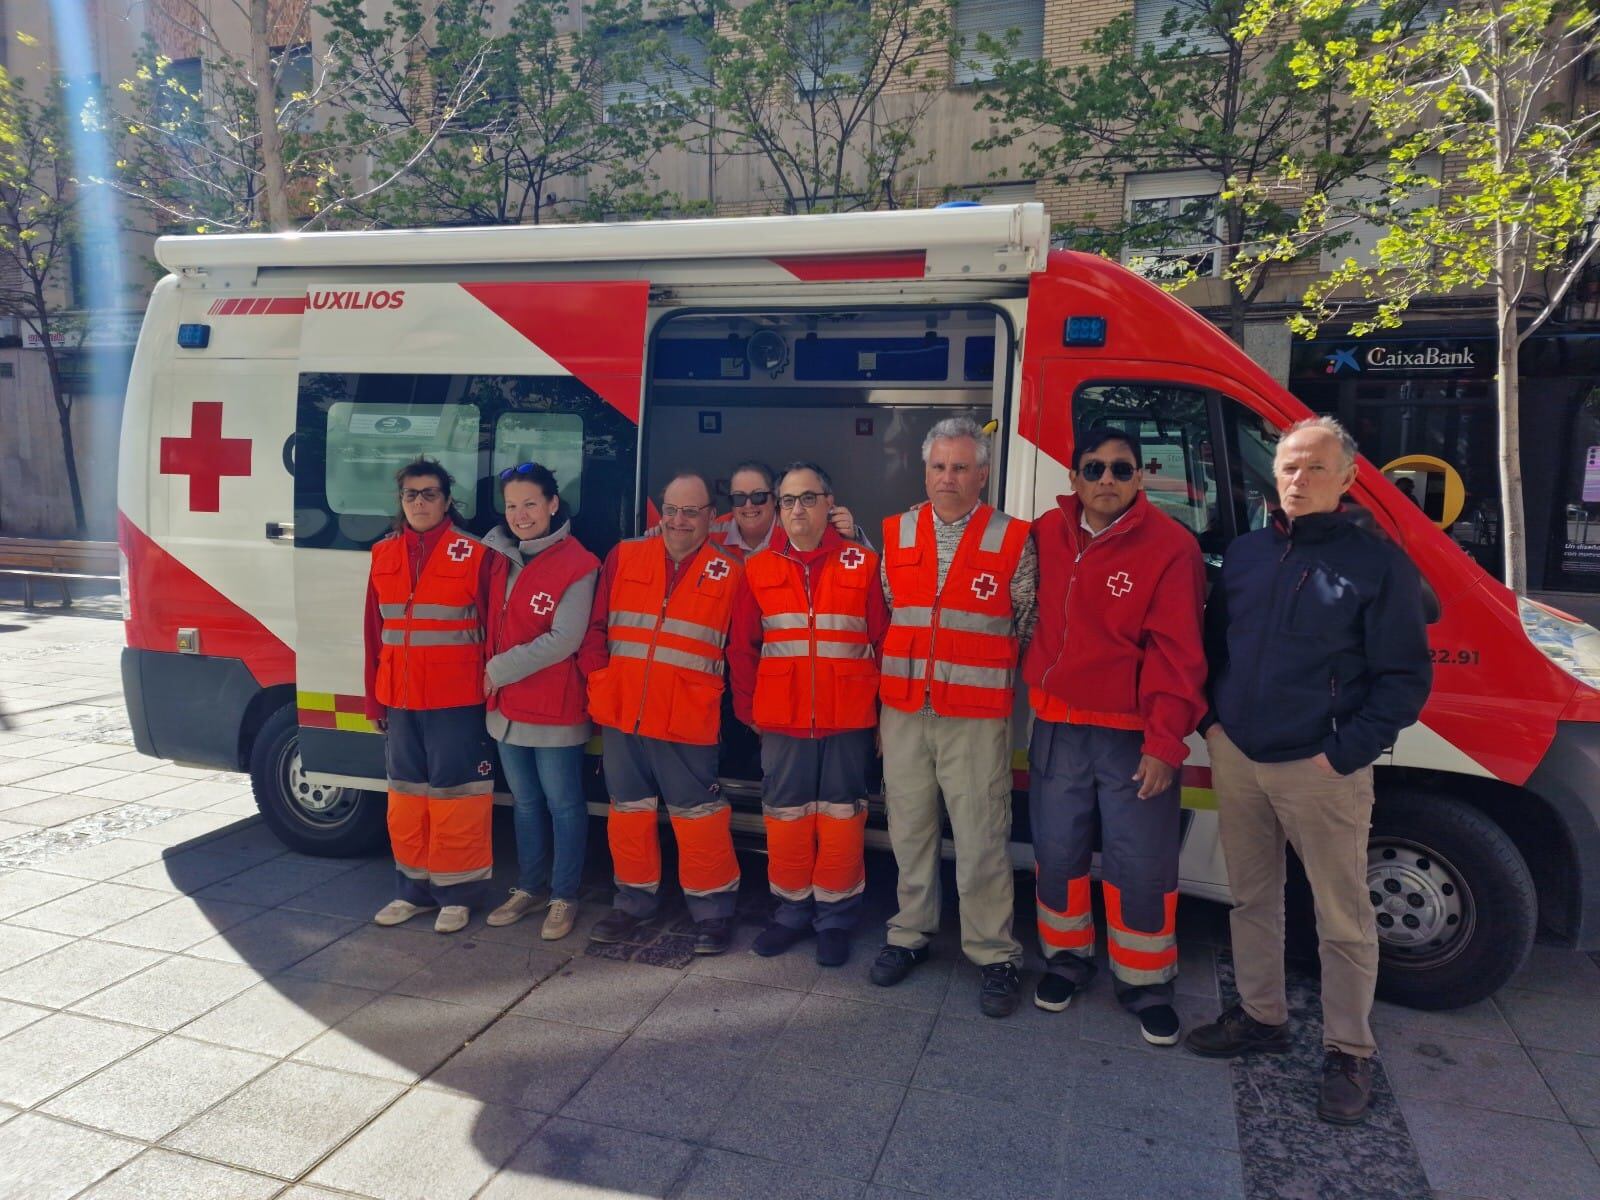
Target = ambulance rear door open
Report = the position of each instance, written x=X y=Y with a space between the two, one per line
x=480 y=376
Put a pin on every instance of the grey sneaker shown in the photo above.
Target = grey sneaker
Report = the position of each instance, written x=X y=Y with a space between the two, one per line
x=559 y=920
x=518 y=905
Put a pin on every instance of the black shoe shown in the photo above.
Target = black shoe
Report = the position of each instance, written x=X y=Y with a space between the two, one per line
x=713 y=936
x=1002 y=988
x=1346 y=1088
x=776 y=938
x=894 y=963
x=615 y=926
x=1159 y=1025
x=833 y=947
x=1236 y=1032
x=1054 y=992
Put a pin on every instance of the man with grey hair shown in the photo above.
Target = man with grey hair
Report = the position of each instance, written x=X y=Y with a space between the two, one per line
x=1318 y=652
x=960 y=578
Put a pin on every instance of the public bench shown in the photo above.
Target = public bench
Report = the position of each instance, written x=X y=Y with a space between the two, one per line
x=57 y=562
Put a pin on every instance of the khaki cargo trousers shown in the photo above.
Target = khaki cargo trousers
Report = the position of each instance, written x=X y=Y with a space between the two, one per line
x=1260 y=806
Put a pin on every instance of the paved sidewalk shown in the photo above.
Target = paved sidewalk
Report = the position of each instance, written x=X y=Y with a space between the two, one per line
x=188 y=1010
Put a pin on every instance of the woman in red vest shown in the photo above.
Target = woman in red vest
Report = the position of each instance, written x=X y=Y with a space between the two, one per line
x=541 y=588
x=424 y=643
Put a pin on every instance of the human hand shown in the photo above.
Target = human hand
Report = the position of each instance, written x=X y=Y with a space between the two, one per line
x=1325 y=768
x=382 y=723
x=489 y=688
x=1153 y=776
x=843 y=521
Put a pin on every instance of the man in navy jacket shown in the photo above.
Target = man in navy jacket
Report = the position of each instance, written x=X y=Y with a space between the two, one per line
x=1319 y=658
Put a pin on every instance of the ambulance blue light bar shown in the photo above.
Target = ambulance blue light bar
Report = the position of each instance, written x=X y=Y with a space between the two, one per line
x=1084 y=331
x=194 y=337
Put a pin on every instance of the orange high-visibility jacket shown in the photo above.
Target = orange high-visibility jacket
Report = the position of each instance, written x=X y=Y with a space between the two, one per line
x=817 y=665
x=431 y=655
x=953 y=645
x=664 y=676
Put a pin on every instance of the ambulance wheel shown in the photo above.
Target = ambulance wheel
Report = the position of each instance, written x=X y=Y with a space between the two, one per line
x=1456 y=905
x=310 y=817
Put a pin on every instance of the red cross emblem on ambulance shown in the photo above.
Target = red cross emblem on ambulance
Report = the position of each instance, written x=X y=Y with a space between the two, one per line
x=852 y=558
x=716 y=568
x=1119 y=584
x=984 y=586
x=459 y=549
x=542 y=603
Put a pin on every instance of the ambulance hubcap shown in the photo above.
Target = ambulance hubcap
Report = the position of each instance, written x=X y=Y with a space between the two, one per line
x=1424 y=912
x=315 y=803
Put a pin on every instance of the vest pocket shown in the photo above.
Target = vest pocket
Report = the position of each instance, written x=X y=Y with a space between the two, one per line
x=696 y=709
x=602 y=691
x=855 y=698
x=773 y=705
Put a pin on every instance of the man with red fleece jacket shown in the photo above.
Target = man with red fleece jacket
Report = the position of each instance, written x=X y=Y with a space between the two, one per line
x=808 y=623
x=1116 y=673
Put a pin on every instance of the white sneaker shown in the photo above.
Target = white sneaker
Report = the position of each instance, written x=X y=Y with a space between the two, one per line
x=518 y=905
x=398 y=912
x=559 y=920
x=452 y=918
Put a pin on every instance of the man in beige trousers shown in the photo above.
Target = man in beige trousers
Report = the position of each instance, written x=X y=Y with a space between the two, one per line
x=1319 y=658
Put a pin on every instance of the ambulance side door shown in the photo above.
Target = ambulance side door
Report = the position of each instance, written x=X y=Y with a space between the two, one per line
x=480 y=377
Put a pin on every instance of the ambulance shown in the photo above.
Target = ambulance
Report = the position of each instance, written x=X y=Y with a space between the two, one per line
x=280 y=380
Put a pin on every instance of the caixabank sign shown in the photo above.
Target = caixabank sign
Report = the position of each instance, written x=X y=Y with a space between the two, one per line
x=1395 y=357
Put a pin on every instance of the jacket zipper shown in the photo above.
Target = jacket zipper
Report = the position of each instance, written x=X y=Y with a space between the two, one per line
x=1066 y=605
x=1272 y=613
x=650 y=655
x=811 y=629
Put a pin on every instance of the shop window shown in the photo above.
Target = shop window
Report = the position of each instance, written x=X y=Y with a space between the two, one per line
x=997 y=19
x=1172 y=224
x=1578 y=518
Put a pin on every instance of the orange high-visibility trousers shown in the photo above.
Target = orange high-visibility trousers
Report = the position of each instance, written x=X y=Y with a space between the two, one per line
x=814 y=802
x=441 y=795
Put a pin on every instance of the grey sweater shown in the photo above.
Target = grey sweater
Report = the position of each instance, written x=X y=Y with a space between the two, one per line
x=566 y=632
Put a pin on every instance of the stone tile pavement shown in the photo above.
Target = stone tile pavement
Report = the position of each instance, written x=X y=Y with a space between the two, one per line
x=188 y=1010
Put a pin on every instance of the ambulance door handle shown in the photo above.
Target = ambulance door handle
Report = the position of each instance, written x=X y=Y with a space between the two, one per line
x=278 y=531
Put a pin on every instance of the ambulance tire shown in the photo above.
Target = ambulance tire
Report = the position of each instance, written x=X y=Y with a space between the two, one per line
x=310 y=818
x=1457 y=908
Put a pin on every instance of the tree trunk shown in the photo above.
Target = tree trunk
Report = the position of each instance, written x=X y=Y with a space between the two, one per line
x=273 y=185
x=1513 y=538
x=63 y=405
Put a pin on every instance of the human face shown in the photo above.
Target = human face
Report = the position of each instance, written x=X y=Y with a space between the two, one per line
x=954 y=479
x=1311 y=472
x=528 y=510
x=805 y=526
x=684 y=535
x=752 y=519
x=424 y=501
x=1107 y=498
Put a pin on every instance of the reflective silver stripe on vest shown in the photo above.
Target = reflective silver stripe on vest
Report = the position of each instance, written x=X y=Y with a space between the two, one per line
x=994 y=533
x=432 y=637
x=669 y=656
x=1147 y=943
x=390 y=612
x=689 y=629
x=969 y=622
x=789 y=812
x=785 y=649
x=632 y=620
x=961 y=675
x=1060 y=923
x=843 y=650
x=444 y=612
x=908 y=529
x=912 y=615
x=648 y=804
x=840 y=622
x=905 y=668
x=784 y=621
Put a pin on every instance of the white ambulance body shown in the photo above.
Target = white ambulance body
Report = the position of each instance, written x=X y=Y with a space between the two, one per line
x=281 y=379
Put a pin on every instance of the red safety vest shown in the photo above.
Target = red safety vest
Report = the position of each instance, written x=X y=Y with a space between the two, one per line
x=817 y=665
x=555 y=694
x=432 y=645
x=664 y=678
x=953 y=645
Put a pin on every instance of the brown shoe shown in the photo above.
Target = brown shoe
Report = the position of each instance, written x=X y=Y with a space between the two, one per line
x=1346 y=1088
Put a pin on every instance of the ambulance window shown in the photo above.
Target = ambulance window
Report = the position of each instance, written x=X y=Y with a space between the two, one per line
x=554 y=440
x=1173 y=425
x=1255 y=444
x=368 y=441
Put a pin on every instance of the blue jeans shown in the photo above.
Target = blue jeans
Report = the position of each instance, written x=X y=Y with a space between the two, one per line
x=547 y=790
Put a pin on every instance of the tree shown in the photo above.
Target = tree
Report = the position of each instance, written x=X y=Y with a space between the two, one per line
x=487 y=128
x=38 y=224
x=1488 y=87
x=1201 y=95
x=827 y=95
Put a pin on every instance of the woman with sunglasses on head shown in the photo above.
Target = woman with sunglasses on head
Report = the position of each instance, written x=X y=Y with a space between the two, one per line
x=753 y=522
x=541 y=589
x=424 y=689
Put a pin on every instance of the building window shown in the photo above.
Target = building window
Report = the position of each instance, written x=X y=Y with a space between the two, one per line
x=682 y=67
x=291 y=66
x=832 y=44
x=1360 y=236
x=1185 y=25
x=1172 y=224
x=178 y=99
x=996 y=19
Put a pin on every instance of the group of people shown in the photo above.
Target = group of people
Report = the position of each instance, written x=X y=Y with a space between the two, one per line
x=1305 y=663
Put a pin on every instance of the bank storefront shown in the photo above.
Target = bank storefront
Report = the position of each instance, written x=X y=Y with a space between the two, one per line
x=1422 y=407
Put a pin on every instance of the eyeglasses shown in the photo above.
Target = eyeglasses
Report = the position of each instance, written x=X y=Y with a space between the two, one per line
x=429 y=494
x=804 y=499
x=511 y=473
x=740 y=499
x=1092 y=470
x=670 y=511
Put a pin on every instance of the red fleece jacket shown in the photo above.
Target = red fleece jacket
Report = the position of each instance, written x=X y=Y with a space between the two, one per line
x=1119 y=640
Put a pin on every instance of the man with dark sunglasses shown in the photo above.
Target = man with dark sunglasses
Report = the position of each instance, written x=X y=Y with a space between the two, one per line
x=1116 y=674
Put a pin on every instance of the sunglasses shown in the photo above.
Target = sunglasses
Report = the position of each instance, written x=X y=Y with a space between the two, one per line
x=1094 y=469
x=511 y=473
x=410 y=495
x=740 y=499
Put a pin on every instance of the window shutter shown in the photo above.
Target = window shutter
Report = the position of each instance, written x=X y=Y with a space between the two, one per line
x=996 y=18
x=1150 y=16
x=683 y=46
